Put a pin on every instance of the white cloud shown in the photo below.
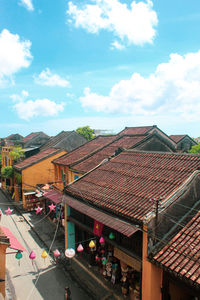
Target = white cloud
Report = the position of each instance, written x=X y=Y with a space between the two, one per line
x=49 y=79
x=174 y=87
x=27 y=109
x=14 y=55
x=27 y=4
x=117 y=45
x=134 y=25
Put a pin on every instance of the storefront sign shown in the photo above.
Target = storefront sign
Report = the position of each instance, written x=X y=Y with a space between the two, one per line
x=130 y=261
x=98 y=227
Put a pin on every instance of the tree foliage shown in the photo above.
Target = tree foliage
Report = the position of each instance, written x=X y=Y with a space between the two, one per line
x=195 y=149
x=17 y=153
x=86 y=131
x=18 y=177
x=7 y=172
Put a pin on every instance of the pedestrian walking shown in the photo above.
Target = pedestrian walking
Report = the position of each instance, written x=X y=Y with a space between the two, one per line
x=67 y=293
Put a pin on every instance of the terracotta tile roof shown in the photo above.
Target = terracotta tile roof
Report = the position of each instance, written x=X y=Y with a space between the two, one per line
x=36 y=158
x=84 y=150
x=177 y=138
x=68 y=140
x=30 y=136
x=125 y=184
x=108 y=150
x=136 y=130
x=181 y=254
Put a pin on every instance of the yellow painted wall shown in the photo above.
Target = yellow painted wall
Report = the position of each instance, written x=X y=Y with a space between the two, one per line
x=3 y=248
x=39 y=173
x=151 y=275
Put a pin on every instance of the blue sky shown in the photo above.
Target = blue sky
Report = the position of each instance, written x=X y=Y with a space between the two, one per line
x=103 y=63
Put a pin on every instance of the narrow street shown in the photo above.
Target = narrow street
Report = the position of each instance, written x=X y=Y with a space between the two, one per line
x=40 y=279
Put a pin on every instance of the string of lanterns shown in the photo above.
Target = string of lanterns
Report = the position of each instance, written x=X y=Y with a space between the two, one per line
x=70 y=252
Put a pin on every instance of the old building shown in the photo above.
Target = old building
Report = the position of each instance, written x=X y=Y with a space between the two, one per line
x=184 y=142
x=76 y=163
x=35 y=170
x=117 y=201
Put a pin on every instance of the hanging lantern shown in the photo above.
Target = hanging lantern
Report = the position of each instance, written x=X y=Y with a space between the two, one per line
x=111 y=236
x=8 y=211
x=70 y=253
x=101 y=241
x=52 y=207
x=97 y=258
x=38 y=210
x=91 y=244
x=32 y=256
x=104 y=260
x=18 y=256
x=56 y=253
x=44 y=254
x=80 y=248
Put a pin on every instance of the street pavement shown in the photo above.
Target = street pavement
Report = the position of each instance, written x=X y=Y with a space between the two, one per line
x=37 y=280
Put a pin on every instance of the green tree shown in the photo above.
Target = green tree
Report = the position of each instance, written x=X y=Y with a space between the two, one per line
x=195 y=149
x=7 y=172
x=86 y=131
x=17 y=153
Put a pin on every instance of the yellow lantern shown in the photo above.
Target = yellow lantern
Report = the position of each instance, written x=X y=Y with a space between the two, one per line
x=44 y=254
x=91 y=244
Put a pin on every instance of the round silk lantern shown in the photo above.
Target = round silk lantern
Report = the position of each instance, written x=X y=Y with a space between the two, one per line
x=44 y=254
x=56 y=253
x=101 y=241
x=18 y=256
x=69 y=253
x=91 y=244
x=80 y=248
x=32 y=256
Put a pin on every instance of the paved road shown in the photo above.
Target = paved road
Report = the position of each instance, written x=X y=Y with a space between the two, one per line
x=37 y=281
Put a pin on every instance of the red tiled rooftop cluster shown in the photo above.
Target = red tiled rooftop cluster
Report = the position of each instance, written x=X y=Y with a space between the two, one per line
x=181 y=255
x=84 y=150
x=93 y=160
x=125 y=184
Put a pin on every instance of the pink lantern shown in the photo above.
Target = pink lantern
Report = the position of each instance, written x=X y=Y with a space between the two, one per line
x=69 y=253
x=56 y=253
x=101 y=241
x=38 y=210
x=80 y=248
x=32 y=256
x=52 y=207
x=8 y=211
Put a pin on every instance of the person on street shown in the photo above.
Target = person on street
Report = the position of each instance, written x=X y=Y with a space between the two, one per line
x=67 y=294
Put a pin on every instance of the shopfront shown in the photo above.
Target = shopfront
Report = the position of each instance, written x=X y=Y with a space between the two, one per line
x=115 y=255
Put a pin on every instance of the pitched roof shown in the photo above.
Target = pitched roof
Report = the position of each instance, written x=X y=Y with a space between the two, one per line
x=94 y=159
x=125 y=183
x=67 y=140
x=14 y=136
x=36 y=158
x=30 y=136
x=181 y=254
x=136 y=130
x=83 y=150
x=176 y=138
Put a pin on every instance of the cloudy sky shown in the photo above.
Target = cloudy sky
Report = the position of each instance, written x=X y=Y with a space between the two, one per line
x=103 y=63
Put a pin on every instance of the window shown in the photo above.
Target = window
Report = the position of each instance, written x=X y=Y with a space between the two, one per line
x=62 y=175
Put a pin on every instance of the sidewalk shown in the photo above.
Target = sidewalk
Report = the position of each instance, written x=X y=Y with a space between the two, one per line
x=89 y=280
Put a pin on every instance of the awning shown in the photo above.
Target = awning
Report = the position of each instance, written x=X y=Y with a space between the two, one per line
x=119 y=225
x=54 y=196
x=14 y=243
